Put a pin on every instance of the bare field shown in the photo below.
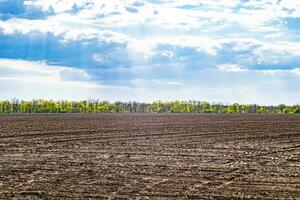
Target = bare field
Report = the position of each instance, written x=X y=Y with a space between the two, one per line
x=143 y=156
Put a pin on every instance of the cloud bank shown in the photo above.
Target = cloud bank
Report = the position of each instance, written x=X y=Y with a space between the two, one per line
x=222 y=50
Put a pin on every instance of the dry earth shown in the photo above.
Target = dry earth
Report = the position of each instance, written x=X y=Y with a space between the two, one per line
x=143 y=156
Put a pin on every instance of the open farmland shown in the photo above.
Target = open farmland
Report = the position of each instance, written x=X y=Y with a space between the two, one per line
x=144 y=156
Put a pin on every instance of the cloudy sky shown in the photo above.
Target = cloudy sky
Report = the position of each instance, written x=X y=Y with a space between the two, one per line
x=245 y=51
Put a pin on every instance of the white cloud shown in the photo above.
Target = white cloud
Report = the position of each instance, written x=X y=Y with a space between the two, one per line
x=98 y=57
x=166 y=82
x=296 y=71
x=36 y=80
x=174 y=83
x=104 y=21
x=288 y=72
x=280 y=47
x=57 y=6
x=149 y=47
x=71 y=74
x=136 y=81
x=290 y=7
x=234 y=68
x=141 y=50
x=169 y=15
x=168 y=54
x=68 y=33
x=40 y=71
x=217 y=4
x=158 y=82
x=204 y=44
x=231 y=68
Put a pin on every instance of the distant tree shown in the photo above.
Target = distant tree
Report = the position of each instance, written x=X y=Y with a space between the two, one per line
x=175 y=107
x=93 y=106
x=1 y=107
x=297 y=109
x=287 y=110
x=7 y=107
x=261 y=110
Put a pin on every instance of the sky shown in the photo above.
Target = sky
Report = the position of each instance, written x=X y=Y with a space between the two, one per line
x=230 y=51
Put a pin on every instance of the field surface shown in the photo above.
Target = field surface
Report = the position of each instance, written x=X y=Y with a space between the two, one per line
x=143 y=156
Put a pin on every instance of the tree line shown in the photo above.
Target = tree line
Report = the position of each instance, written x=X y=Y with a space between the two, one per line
x=96 y=106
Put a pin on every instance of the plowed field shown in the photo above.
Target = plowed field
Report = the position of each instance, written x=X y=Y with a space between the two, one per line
x=143 y=156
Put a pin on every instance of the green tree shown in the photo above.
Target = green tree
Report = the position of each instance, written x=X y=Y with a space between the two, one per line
x=297 y=109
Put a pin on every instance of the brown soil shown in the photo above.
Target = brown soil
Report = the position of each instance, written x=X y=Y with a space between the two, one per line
x=142 y=156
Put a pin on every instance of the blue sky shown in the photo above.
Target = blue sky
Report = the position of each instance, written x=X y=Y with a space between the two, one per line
x=244 y=51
